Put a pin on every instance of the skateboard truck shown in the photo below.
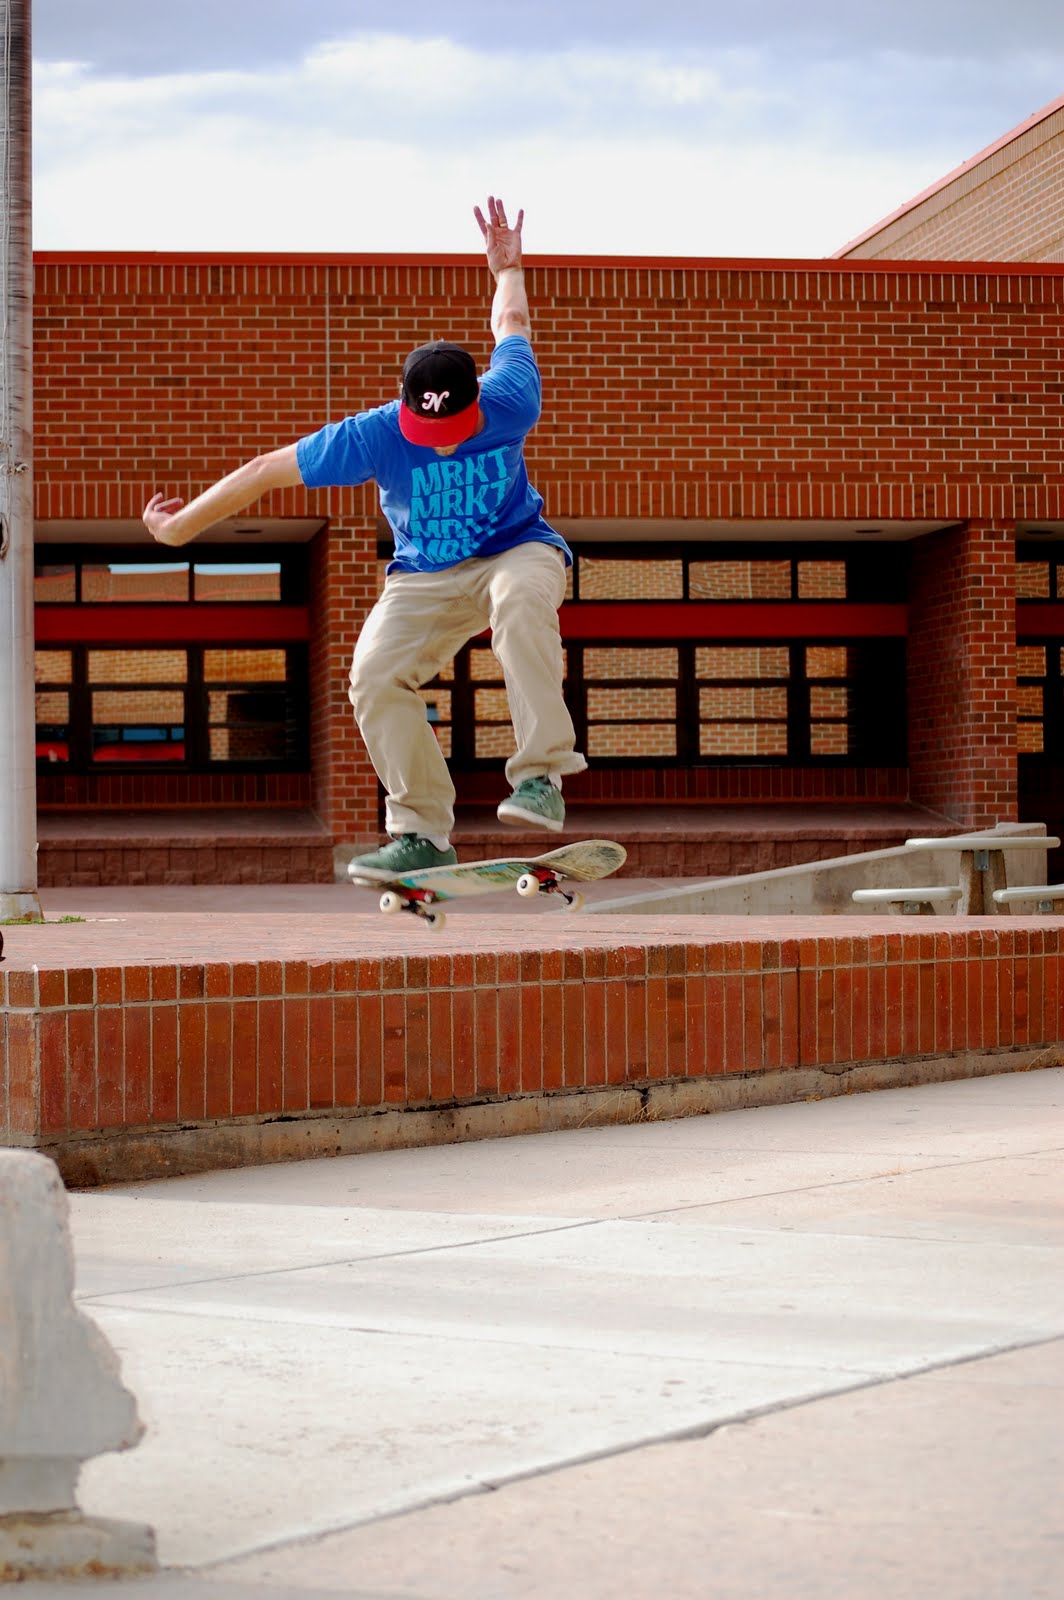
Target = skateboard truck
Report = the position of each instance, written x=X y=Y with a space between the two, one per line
x=540 y=880
x=420 y=902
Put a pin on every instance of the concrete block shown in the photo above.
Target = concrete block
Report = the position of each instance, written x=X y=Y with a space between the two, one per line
x=64 y=1544
x=62 y=1400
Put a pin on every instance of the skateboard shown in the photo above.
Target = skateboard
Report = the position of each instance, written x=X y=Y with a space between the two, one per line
x=420 y=892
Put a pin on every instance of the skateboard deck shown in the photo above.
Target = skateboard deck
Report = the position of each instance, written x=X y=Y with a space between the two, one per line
x=421 y=892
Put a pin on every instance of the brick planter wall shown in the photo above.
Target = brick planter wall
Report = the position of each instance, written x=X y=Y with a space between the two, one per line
x=295 y=1039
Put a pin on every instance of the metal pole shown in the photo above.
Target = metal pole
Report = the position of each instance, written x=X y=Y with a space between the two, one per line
x=18 y=784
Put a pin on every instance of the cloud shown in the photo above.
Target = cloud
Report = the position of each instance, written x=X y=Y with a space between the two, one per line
x=384 y=141
x=130 y=36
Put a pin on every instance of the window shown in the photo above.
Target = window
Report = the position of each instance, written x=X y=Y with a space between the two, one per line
x=1039 y=708
x=699 y=701
x=167 y=686
x=198 y=708
x=731 y=573
x=695 y=704
x=122 y=577
x=133 y=583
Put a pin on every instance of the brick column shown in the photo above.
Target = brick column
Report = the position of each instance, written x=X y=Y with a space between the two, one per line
x=962 y=637
x=343 y=587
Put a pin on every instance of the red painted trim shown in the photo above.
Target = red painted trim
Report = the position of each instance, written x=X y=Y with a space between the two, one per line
x=951 y=177
x=176 y=624
x=699 y=619
x=828 y=264
x=1034 y=617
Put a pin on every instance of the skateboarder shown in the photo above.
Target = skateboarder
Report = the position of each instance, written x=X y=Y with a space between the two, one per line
x=471 y=551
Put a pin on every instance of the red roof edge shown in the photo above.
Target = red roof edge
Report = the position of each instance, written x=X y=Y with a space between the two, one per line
x=951 y=177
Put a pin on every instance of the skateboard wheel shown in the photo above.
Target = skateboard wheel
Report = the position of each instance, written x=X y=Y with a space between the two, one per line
x=528 y=885
x=391 y=902
x=574 y=902
x=435 y=919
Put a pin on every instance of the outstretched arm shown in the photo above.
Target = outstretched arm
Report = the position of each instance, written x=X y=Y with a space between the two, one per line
x=173 y=522
x=509 y=308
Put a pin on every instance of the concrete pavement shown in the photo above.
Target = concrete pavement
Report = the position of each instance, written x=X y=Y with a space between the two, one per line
x=807 y=1350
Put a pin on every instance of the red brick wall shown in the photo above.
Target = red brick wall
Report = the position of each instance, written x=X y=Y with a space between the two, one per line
x=674 y=390
x=1005 y=205
x=962 y=675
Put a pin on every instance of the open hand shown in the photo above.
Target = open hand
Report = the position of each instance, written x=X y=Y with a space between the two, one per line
x=502 y=240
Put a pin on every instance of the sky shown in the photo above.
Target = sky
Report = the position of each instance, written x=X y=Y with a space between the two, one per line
x=768 y=128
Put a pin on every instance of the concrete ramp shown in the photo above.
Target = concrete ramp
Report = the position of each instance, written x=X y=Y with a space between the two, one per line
x=825 y=888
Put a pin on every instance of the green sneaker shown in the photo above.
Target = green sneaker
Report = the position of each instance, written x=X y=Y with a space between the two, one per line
x=408 y=853
x=537 y=801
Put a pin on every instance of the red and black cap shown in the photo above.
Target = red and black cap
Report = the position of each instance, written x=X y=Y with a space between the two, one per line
x=439 y=405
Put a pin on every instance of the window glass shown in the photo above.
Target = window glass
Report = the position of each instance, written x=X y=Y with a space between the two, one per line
x=53 y=726
x=630 y=705
x=829 y=739
x=483 y=666
x=604 y=579
x=821 y=580
x=1032 y=580
x=739 y=580
x=54 y=585
x=743 y=661
x=826 y=661
x=138 y=725
x=53 y=705
x=438 y=713
x=630 y=662
x=492 y=705
x=147 y=582
x=137 y=666
x=828 y=702
x=495 y=743
x=52 y=666
x=247 y=744
x=244 y=666
x=255 y=581
x=733 y=704
x=247 y=725
x=631 y=739
x=139 y=706
x=743 y=739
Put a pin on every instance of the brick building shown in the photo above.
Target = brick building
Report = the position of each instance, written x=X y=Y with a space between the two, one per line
x=1005 y=204
x=813 y=506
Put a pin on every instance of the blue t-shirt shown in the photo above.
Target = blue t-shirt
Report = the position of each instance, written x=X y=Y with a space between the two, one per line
x=444 y=509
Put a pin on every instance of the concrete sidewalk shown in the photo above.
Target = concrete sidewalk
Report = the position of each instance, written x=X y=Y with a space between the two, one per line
x=808 y=1350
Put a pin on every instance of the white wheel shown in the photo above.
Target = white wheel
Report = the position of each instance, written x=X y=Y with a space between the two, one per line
x=390 y=902
x=528 y=885
x=435 y=920
x=574 y=901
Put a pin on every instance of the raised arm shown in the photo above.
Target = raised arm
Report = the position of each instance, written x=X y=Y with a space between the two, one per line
x=509 y=308
x=173 y=522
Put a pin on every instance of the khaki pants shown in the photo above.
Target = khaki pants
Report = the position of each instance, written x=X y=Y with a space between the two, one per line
x=421 y=620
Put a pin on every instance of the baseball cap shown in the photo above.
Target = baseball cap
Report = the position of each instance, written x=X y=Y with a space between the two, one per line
x=440 y=394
